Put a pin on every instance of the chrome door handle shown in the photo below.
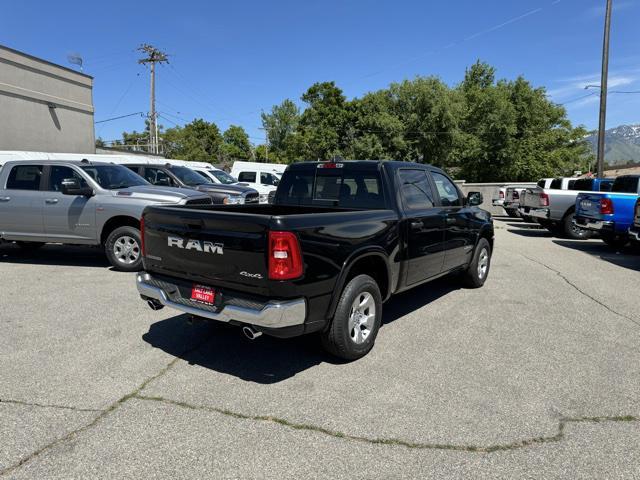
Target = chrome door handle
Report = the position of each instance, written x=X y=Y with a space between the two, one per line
x=51 y=200
x=5 y=199
x=451 y=220
x=417 y=225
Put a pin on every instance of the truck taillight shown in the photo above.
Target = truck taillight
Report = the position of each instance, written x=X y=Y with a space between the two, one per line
x=515 y=195
x=285 y=258
x=142 y=236
x=501 y=194
x=606 y=206
x=544 y=200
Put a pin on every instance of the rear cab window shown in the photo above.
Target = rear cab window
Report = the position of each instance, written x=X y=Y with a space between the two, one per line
x=556 y=184
x=625 y=184
x=341 y=185
x=583 y=184
x=249 y=177
x=25 y=177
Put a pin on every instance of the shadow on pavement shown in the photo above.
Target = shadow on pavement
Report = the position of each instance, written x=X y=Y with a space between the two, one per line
x=531 y=232
x=54 y=254
x=267 y=359
x=627 y=257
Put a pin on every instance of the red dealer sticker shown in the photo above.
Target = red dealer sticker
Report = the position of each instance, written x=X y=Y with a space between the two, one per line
x=203 y=294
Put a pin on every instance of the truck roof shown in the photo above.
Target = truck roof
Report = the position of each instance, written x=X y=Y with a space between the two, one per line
x=79 y=163
x=365 y=163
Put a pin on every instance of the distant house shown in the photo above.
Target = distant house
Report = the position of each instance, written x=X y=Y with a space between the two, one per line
x=43 y=106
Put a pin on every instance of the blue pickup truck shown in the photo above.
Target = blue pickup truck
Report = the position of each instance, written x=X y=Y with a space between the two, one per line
x=634 y=231
x=610 y=213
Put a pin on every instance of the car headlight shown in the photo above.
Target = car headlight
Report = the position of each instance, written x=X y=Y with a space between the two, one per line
x=264 y=198
x=234 y=200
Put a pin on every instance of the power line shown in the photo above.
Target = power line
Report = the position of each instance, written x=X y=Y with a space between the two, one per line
x=121 y=116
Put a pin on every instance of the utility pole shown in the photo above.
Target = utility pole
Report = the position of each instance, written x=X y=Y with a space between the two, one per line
x=152 y=56
x=603 y=89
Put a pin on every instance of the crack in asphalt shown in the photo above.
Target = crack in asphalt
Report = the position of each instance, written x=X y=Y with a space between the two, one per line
x=560 y=435
x=578 y=289
x=103 y=413
x=46 y=405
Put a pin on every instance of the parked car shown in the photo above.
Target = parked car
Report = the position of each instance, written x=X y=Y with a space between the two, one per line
x=180 y=176
x=554 y=207
x=220 y=176
x=499 y=200
x=542 y=183
x=634 y=231
x=512 y=201
x=340 y=239
x=85 y=203
x=264 y=177
x=610 y=213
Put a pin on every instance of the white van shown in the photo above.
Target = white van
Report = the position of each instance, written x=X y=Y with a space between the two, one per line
x=258 y=175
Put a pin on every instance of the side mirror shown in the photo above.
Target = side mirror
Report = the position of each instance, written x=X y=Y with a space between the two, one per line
x=71 y=186
x=474 y=199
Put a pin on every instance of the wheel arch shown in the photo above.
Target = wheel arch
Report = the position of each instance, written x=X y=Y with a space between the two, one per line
x=116 y=222
x=373 y=262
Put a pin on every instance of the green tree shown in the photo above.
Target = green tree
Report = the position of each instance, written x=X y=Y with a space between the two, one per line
x=323 y=123
x=280 y=125
x=235 y=144
x=198 y=140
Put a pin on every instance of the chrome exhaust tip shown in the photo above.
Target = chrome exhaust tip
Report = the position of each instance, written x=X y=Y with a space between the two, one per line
x=155 y=305
x=251 y=333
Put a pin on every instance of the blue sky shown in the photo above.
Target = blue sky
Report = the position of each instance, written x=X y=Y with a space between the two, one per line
x=230 y=60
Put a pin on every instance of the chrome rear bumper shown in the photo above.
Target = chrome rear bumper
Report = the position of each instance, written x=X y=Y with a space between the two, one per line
x=273 y=314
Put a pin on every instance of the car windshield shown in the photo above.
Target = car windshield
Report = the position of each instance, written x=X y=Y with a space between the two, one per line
x=189 y=177
x=112 y=177
x=223 y=177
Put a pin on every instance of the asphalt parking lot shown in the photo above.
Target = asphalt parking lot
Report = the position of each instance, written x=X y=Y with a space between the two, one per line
x=536 y=375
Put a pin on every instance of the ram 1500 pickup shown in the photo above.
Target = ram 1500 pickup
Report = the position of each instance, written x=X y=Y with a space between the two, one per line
x=554 y=207
x=610 y=213
x=634 y=231
x=81 y=202
x=339 y=240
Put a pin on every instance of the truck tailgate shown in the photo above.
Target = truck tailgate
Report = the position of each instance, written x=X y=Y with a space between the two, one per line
x=208 y=246
x=588 y=205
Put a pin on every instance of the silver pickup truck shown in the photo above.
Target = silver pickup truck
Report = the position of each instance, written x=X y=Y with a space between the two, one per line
x=81 y=202
x=554 y=206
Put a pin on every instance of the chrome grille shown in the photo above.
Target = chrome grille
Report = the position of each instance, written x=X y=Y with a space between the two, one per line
x=200 y=201
x=252 y=198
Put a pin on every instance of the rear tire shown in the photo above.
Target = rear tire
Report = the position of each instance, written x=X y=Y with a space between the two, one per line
x=512 y=213
x=476 y=274
x=528 y=219
x=123 y=249
x=573 y=231
x=358 y=316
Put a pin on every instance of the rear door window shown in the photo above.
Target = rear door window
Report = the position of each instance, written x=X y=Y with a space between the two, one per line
x=155 y=176
x=25 y=177
x=415 y=189
x=249 y=177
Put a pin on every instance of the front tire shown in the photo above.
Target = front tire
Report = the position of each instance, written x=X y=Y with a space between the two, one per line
x=123 y=249
x=476 y=274
x=357 y=320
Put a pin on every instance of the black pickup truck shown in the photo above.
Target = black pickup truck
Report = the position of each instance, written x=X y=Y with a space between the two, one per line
x=339 y=240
